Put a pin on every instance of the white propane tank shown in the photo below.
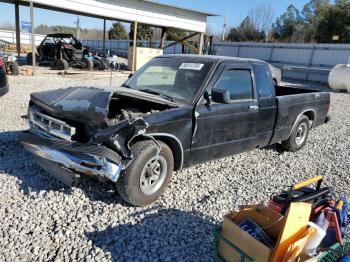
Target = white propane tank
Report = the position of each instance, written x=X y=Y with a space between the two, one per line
x=339 y=77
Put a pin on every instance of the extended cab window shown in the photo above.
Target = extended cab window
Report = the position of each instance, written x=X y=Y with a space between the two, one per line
x=238 y=82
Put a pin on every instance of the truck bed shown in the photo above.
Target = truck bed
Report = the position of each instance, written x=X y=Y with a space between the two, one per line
x=286 y=91
x=292 y=102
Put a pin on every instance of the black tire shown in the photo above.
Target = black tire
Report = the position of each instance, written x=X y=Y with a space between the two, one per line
x=14 y=69
x=87 y=63
x=130 y=185
x=104 y=62
x=299 y=135
x=29 y=58
x=99 y=66
x=62 y=64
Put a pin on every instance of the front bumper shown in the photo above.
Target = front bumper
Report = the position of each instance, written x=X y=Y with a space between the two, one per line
x=67 y=160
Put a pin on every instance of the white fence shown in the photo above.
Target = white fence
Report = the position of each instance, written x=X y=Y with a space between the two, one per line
x=10 y=37
x=298 y=61
x=308 y=61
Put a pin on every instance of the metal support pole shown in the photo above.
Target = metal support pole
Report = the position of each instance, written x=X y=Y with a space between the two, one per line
x=32 y=35
x=133 y=69
x=210 y=51
x=18 y=31
x=104 y=37
x=162 y=40
x=201 y=43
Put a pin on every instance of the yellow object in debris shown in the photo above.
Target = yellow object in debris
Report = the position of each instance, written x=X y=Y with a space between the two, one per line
x=339 y=205
x=307 y=182
x=295 y=227
x=296 y=248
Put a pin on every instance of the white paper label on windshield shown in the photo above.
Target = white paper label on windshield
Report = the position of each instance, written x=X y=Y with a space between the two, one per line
x=191 y=66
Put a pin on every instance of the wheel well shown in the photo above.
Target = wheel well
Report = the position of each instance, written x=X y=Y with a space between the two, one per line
x=311 y=116
x=171 y=142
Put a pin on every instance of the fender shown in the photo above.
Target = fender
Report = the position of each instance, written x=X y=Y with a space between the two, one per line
x=299 y=116
x=172 y=141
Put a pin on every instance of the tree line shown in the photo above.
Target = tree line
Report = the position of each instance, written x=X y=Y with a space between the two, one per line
x=320 y=21
x=84 y=32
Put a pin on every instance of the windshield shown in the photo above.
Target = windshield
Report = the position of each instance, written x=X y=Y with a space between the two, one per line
x=176 y=79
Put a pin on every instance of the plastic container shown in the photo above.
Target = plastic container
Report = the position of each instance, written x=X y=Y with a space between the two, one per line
x=339 y=77
x=315 y=239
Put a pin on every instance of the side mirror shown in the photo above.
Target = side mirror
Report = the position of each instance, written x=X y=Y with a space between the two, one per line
x=220 y=96
x=207 y=97
x=130 y=75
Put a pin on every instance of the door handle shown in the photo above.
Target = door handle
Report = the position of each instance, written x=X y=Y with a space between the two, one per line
x=254 y=108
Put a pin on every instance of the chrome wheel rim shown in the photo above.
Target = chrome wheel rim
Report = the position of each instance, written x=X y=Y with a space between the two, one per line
x=153 y=175
x=301 y=134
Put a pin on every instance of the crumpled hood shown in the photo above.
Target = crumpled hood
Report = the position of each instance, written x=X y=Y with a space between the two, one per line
x=74 y=99
x=88 y=104
x=80 y=104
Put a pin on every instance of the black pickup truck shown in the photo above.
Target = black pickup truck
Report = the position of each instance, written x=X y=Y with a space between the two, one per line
x=175 y=112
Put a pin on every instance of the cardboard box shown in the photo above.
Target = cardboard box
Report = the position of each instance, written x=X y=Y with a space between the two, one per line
x=143 y=55
x=283 y=231
x=266 y=218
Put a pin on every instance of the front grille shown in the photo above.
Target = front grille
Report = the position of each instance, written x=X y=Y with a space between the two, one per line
x=48 y=125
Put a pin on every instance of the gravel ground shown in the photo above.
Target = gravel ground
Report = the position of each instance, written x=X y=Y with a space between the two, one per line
x=43 y=220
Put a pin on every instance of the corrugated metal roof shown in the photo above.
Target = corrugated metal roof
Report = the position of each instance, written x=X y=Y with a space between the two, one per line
x=181 y=8
x=142 y=11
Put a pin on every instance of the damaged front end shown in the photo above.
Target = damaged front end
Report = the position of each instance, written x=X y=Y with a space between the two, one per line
x=98 y=145
x=67 y=160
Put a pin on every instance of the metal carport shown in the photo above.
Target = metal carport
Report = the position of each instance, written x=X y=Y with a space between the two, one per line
x=134 y=11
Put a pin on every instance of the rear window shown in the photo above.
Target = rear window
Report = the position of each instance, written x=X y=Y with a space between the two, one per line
x=264 y=82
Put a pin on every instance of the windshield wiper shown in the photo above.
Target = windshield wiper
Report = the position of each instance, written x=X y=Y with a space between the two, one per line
x=149 y=91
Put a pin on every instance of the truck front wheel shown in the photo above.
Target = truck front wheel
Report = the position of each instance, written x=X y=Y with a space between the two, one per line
x=148 y=174
x=299 y=135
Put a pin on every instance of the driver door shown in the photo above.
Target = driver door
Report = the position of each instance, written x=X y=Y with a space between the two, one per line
x=226 y=129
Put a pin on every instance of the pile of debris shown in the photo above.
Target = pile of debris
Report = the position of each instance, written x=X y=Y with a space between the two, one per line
x=301 y=224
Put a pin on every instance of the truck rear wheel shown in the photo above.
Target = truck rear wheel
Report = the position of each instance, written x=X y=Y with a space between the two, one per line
x=299 y=135
x=147 y=176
